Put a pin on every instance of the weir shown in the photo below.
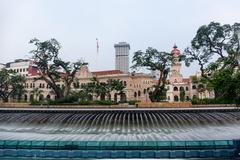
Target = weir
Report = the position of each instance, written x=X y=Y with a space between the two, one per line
x=110 y=133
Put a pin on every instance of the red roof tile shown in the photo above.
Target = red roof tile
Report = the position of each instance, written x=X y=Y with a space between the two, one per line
x=107 y=72
x=186 y=80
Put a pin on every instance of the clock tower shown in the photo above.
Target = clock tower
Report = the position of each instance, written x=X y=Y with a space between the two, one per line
x=175 y=75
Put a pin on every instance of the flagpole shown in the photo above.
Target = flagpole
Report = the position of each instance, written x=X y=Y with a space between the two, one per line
x=97 y=53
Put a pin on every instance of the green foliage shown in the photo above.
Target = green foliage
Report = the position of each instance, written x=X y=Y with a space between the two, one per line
x=158 y=94
x=11 y=84
x=219 y=42
x=210 y=101
x=182 y=94
x=153 y=60
x=52 y=69
x=195 y=79
x=214 y=40
x=133 y=102
x=226 y=85
x=103 y=89
x=73 y=101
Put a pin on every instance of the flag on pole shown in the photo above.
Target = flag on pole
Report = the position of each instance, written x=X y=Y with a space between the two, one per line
x=97 y=45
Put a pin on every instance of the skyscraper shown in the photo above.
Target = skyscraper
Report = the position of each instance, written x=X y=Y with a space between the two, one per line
x=122 y=56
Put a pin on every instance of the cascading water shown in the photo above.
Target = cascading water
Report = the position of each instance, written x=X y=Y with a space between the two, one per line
x=120 y=125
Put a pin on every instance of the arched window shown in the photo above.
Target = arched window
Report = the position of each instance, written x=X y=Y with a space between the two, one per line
x=186 y=88
x=194 y=87
x=181 y=89
x=144 y=91
x=109 y=97
x=187 y=98
x=115 y=97
x=175 y=98
x=40 y=85
x=25 y=97
x=125 y=83
x=48 y=97
x=175 y=89
x=31 y=97
x=139 y=93
x=41 y=97
x=135 y=94
x=123 y=97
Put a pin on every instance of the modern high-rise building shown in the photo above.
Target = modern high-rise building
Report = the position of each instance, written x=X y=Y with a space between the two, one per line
x=122 y=56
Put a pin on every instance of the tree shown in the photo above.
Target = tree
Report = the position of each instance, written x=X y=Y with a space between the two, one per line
x=182 y=94
x=224 y=84
x=216 y=49
x=119 y=87
x=11 y=84
x=102 y=89
x=52 y=69
x=36 y=92
x=154 y=60
x=214 y=40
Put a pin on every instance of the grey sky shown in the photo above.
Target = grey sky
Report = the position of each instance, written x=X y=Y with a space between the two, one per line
x=76 y=24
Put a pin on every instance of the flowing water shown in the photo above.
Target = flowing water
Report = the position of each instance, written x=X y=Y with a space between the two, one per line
x=120 y=125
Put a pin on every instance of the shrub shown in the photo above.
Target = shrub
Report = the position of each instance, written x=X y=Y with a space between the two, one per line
x=133 y=102
x=104 y=102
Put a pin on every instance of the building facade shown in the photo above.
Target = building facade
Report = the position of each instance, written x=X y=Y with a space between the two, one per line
x=136 y=85
x=24 y=67
x=122 y=56
x=177 y=84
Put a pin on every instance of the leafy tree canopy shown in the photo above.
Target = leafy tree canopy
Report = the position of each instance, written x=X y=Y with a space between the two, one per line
x=215 y=41
x=52 y=68
x=11 y=84
x=153 y=60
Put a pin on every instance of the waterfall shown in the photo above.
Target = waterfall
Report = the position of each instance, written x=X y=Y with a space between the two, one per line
x=120 y=125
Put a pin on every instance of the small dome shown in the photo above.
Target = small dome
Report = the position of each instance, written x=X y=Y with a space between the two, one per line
x=175 y=51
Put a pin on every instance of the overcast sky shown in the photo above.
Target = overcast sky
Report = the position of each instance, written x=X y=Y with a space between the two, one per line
x=76 y=24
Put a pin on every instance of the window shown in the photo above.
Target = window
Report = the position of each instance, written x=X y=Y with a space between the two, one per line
x=139 y=93
x=186 y=88
x=144 y=91
x=181 y=89
x=175 y=98
x=135 y=94
x=194 y=87
x=175 y=89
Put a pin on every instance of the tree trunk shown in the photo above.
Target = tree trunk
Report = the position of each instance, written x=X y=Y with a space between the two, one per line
x=5 y=99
